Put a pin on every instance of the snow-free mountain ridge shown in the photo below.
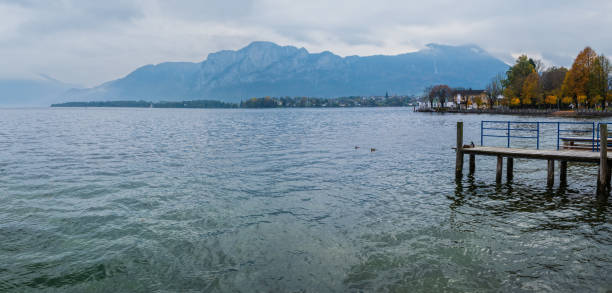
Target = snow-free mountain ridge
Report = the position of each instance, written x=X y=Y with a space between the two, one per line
x=267 y=69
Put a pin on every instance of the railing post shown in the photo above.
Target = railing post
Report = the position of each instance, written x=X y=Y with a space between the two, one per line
x=594 y=142
x=508 y=134
x=558 y=133
x=481 y=133
x=538 y=135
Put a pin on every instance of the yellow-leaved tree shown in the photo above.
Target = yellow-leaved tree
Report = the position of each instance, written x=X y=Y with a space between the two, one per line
x=479 y=101
x=595 y=101
x=515 y=102
x=551 y=100
x=531 y=88
x=581 y=99
x=576 y=82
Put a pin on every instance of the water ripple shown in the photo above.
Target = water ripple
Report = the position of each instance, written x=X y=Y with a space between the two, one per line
x=140 y=200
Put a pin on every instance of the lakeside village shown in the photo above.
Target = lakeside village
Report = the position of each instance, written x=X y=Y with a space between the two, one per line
x=265 y=102
x=527 y=87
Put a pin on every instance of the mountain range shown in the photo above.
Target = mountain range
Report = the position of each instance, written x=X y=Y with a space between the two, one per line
x=267 y=69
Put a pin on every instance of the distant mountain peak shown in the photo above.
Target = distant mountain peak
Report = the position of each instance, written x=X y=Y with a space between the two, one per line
x=471 y=47
x=260 y=45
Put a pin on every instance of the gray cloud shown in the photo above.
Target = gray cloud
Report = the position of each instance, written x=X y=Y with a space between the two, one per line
x=56 y=16
x=89 y=42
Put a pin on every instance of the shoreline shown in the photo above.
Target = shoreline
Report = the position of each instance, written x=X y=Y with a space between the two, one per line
x=529 y=112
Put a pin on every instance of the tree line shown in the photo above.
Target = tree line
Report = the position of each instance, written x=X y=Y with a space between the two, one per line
x=443 y=93
x=264 y=102
x=585 y=85
x=311 y=102
x=530 y=84
x=145 y=104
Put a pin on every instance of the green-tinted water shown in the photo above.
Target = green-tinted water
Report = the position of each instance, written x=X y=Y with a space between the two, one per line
x=141 y=200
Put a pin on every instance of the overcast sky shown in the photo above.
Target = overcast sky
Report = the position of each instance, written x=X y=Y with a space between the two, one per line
x=90 y=42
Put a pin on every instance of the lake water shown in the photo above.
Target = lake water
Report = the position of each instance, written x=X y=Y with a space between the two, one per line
x=177 y=200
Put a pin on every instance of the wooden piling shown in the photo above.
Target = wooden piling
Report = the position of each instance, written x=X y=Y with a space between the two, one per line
x=459 y=159
x=509 y=168
x=472 y=164
x=498 y=173
x=599 y=190
x=602 y=186
x=608 y=178
x=550 y=179
x=563 y=173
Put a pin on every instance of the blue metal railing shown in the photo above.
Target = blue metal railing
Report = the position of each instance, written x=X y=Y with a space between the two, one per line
x=584 y=131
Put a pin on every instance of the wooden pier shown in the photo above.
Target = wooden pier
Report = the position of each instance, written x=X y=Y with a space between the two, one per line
x=602 y=158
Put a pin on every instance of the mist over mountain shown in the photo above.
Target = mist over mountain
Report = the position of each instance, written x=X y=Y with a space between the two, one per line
x=34 y=92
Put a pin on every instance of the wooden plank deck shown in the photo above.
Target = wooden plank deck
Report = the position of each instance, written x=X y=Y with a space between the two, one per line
x=561 y=155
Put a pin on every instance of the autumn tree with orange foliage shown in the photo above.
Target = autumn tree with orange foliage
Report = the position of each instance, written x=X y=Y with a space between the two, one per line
x=577 y=80
x=586 y=84
x=515 y=102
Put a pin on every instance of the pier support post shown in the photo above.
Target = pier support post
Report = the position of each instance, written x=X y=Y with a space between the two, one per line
x=472 y=164
x=563 y=173
x=459 y=160
x=509 y=168
x=550 y=179
x=498 y=173
x=608 y=178
x=602 y=179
